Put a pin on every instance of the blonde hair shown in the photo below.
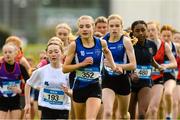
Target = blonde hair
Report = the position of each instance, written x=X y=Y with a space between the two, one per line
x=65 y=26
x=14 y=40
x=86 y=17
x=72 y=38
x=55 y=41
x=115 y=16
x=10 y=45
x=156 y=23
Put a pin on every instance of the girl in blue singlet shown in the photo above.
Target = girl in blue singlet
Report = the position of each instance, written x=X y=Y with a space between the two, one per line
x=116 y=87
x=88 y=52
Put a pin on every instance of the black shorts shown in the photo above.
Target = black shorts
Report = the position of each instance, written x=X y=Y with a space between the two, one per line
x=39 y=107
x=48 y=113
x=10 y=103
x=168 y=76
x=178 y=82
x=141 y=84
x=80 y=95
x=120 y=84
x=158 y=81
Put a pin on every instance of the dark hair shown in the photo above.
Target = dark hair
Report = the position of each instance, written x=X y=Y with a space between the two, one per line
x=136 y=23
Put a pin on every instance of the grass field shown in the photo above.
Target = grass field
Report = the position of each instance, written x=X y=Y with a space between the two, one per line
x=32 y=51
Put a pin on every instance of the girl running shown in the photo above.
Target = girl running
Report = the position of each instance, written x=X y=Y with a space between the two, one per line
x=87 y=51
x=141 y=79
x=11 y=73
x=117 y=86
x=50 y=79
x=157 y=75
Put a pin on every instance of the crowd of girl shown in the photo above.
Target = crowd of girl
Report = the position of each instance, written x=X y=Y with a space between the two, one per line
x=104 y=72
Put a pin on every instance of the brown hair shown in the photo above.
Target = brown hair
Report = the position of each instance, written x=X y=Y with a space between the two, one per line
x=55 y=41
x=167 y=27
x=101 y=19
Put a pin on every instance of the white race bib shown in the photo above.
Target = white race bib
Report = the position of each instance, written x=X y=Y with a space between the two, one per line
x=6 y=87
x=155 y=71
x=110 y=71
x=55 y=97
x=91 y=75
x=172 y=71
x=143 y=72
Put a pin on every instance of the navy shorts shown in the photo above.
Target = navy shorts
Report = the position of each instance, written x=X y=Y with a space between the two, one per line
x=80 y=95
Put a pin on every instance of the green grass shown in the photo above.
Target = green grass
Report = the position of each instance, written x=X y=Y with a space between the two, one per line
x=32 y=51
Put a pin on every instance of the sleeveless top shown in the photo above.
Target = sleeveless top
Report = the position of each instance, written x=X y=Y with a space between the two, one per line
x=9 y=79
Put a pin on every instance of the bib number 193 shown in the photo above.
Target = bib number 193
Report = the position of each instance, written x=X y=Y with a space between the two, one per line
x=53 y=97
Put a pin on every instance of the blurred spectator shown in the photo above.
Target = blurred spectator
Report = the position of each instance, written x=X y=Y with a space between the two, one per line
x=3 y=35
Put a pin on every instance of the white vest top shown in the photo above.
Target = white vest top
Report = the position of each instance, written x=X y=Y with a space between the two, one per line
x=49 y=80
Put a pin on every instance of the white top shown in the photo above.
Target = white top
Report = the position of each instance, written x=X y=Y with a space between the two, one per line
x=49 y=80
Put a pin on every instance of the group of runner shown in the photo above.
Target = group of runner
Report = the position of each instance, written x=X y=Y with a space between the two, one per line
x=105 y=72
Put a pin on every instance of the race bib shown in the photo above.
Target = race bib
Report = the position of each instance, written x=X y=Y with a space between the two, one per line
x=169 y=70
x=155 y=71
x=111 y=72
x=54 y=97
x=87 y=75
x=6 y=87
x=143 y=72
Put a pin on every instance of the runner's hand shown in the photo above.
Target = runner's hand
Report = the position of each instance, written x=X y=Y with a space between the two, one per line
x=27 y=112
x=163 y=67
x=66 y=90
x=16 y=89
x=118 y=70
x=134 y=77
x=87 y=61
x=106 y=63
